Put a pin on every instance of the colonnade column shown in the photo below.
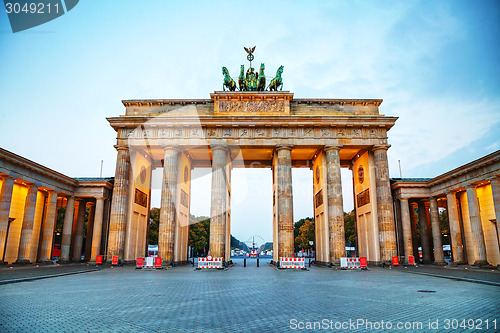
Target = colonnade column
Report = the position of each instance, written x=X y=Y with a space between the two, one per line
x=48 y=227
x=67 y=229
x=27 y=227
x=406 y=222
x=168 y=211
x=80 y=226
x=436 y=231
x=455 y=233
x=90 y=231
x=424 y=233
x=335 y=205
x=387 y=230
x=284 y=201
x=476 y=227
x=495 y=190
x=96 y=237
x=119 y=205
x=219 y=204
x=5 y=199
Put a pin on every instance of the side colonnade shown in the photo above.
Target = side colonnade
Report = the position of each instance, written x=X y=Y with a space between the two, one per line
x=468 y=198
x=31 y=196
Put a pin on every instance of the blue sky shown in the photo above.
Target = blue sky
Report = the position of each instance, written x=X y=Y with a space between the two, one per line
x=435 y=64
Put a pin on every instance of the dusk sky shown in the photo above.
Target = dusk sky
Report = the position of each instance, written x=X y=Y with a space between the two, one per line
x=434 y=63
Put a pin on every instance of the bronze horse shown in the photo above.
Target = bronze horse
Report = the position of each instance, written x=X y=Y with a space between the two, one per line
x=262 y=79
x=241 y=79
x=228 y=81
x=277 y=81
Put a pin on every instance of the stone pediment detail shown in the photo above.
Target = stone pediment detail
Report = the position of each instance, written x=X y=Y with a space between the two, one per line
x=251 y=103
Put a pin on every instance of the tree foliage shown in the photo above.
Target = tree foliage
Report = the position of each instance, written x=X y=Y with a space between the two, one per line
x=154 y=215
x=199 y=235
x=350 y=228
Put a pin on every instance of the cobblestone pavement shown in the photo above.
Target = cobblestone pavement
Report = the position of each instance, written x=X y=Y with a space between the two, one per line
x=466 y=272
x=247 y=299
x=10 y=273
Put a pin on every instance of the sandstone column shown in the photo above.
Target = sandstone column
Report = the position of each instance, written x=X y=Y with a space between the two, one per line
x=27 y=228
x=406 y=223
x=455 y=232
x=168 y=211
x=219 y=204
x=96 y=237
x=335 y=205
x=90 y=231
x=424 y=233
x=119 y=205
x=80 y=226
x=5 y=199
x=495 y=190
x=436 y=231
x=476 y=227
x=48 y=227
x=67 y=229
x=284 y=201
x=387 y=231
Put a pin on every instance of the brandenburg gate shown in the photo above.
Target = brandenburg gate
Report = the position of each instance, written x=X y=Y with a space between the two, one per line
x=236 y=129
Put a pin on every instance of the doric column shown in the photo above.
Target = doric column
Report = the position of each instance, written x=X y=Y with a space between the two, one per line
x=284 y=201
x=406 y=222
x=5 y=199
x=67 y=229
x=495 y=190
x=387 y=231
x=424 y=233
x=96 y=237
x=218 y=207
x=436 y=231
x=476 y=227
x=48 y=227
x=119 y=205
x=168 y=211
x=335 y=207
x=80 y=226
x=27 y=228
x=455 y=232
x=90 y=231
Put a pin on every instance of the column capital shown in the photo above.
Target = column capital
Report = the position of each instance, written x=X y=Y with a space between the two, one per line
x=281 y=147
x=120 y=147
x=378 y=147
x=337 y=148
x=171 y=147
x=219 y=146
x=404 y=199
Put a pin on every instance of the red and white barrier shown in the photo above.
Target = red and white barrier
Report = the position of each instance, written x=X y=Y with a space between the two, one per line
x=149 y=262
x=297 y=263
x=349 y=263
x=209 y=262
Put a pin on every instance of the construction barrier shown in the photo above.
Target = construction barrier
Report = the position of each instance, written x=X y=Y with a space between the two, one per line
x=98 y=260
x=411 y=260
x=139 y=263
x=158 y=262
x=363 y=263
x=149 y=262
x=349 y=263
x=209 y=262
x=395 y=261
x=298 y=263
x=114 y=260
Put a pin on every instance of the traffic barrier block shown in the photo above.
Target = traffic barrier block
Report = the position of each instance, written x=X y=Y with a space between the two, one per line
x=411 y=260
x=296 y=263
x=98 y=260
x=395 y=261
x=210 y=262
x=139 y=263
x=114 y=260
x=350 y=263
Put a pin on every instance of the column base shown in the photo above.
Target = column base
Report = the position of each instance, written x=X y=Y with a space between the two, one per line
x=440 y=263
x=23 y=262
x=481 y=263
x=456 y=263
x=45 y=262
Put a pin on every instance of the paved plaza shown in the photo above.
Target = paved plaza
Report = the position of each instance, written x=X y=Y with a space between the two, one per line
x=247 y=299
